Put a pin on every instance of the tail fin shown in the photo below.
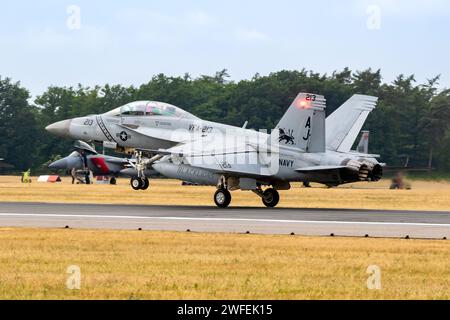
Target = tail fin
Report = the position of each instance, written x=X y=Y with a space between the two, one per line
x=344 y=124
x=303 y=124
x=363 y=145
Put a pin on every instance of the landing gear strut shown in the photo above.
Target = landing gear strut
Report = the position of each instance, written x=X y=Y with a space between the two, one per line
x=141 y=182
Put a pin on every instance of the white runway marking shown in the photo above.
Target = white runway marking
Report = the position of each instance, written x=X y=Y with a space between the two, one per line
x=5 y=214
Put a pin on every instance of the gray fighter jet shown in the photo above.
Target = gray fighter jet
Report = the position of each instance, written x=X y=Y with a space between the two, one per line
x=144 y=127
x=84 y=159
x=248 y=160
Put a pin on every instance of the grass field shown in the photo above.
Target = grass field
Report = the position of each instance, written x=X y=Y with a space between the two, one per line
x=425 y=195
x=170 y=265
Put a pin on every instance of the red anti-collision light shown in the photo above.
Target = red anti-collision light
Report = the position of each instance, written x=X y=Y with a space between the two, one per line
x=302 y=104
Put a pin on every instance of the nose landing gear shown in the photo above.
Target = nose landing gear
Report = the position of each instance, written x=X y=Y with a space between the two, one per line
x=141 y=182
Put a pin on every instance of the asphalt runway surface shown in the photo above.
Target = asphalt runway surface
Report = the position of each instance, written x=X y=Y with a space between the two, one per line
x=301 y=221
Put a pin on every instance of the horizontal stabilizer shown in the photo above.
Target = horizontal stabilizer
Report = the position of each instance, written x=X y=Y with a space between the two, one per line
x=318 y=168
x=364 y=155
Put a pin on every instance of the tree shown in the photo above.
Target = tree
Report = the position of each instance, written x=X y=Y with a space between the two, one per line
x=410 y=119
x=18 y=125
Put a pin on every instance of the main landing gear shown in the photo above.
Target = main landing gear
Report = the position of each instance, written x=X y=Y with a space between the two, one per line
x=270 y=197
x=222 y=198
x=139 y=183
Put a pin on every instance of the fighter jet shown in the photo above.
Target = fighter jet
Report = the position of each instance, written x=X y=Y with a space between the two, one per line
x=149 y=125
x=154 y=125
x=84 y=159
x=264 y=163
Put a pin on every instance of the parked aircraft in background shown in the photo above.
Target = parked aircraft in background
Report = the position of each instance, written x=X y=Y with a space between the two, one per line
x=85 y=159
x=363 y=145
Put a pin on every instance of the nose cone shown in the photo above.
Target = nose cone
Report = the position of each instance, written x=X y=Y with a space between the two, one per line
x=61 y=164
x=60 y=128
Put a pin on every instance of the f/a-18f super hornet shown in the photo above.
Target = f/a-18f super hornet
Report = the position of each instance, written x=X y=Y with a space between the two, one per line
x=85 y=159
x=154 y=125
x=147 y=125
x=244 y=159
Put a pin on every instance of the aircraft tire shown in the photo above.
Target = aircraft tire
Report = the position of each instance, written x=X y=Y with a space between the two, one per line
x=113 y=181
x=145 y=184
x=136 y=183
x=222 y=198
x=270 y=198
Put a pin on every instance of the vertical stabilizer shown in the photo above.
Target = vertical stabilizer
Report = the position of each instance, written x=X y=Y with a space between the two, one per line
x=344 y=124
x=303 y=124
x=363 y=145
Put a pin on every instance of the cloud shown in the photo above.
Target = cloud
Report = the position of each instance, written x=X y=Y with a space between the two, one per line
x=135 y=16
x=51 y=39
x=199 y=18
x=407 y=8
x=150 y=17
x=251 y=36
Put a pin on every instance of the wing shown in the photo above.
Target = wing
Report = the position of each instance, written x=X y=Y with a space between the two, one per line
x=223 y=155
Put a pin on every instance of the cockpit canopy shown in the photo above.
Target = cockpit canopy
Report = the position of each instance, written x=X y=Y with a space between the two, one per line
x=150 y=108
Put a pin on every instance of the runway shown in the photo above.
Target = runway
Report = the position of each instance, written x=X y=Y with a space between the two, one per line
x=301 y=221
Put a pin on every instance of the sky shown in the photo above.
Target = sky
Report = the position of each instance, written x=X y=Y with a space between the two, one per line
x=63 y=43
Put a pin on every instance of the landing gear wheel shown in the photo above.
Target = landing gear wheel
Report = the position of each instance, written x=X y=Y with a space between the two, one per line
x=136 y=183
x=270 y=198
x=145 y=184
x=113 y=181
x=222 y=198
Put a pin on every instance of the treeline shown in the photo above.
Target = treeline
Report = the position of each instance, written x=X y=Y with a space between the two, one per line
x=411 y=120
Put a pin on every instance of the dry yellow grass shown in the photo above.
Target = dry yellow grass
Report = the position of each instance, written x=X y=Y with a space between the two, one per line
x=169 y=265
x=424 y=196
